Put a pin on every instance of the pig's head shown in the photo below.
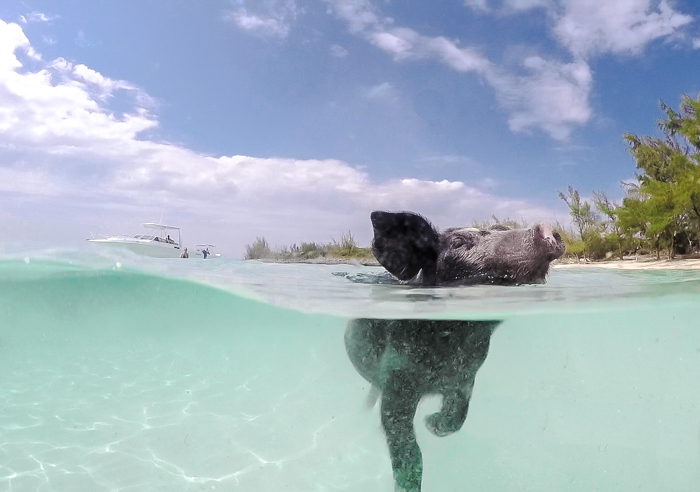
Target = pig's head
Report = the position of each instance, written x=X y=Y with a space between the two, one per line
x=411 y=249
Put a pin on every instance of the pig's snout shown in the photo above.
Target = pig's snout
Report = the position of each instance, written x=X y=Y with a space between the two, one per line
x=551 y=238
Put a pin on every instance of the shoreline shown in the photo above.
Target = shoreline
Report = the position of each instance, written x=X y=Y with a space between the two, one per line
x=640 y=264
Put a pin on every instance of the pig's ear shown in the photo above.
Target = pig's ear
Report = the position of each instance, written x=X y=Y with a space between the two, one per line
x=404 y=243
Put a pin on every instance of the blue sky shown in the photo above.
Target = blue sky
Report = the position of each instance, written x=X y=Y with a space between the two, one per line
x=293 y=119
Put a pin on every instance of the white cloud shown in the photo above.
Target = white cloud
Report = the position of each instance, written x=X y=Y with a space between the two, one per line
x=58 y=106
x=37 y=17
x=304 y=195
x=12 y=38
x=400 y=43
x=381 y=92
x=275 y=21
x=696 y=43
x=338 y=51
x=589 y=27
x=403 y=43
x=360 y=14
x=251 y=22
x=460 y=59
x=105 y=86
x=553 y=96
x=58 y=139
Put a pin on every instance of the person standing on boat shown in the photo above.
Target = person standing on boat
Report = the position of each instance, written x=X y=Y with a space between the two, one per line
x=184 y=254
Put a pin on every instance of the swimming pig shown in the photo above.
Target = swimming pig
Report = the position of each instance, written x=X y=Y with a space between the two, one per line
x=405 y=359
x=413 y=250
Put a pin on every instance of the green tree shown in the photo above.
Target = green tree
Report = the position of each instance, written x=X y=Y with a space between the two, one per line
x=631 y=217
x=613 y=233
x=666 y=198
x=584 y=216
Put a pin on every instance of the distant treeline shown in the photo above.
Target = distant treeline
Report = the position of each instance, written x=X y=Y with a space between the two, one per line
x=345 y=247
x=660 y=210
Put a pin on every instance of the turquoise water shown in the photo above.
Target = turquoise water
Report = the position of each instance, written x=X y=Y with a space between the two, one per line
x=121 y=373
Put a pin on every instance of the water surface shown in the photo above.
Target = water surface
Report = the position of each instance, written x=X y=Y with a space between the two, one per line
x=125 y=373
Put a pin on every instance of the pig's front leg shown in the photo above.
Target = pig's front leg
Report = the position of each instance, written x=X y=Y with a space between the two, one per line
x=399 y=402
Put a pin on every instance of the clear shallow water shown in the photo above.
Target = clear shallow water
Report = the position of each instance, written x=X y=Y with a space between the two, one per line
x=124 y=373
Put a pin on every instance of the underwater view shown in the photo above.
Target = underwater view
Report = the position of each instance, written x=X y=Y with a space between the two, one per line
x=129 y=373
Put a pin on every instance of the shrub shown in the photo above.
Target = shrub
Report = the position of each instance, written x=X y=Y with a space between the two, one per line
x=260 y=249
x=346 y=247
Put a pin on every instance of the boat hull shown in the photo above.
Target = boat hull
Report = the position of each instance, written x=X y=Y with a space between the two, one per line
x=154 y=249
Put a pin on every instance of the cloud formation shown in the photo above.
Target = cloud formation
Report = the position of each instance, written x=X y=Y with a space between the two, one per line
x=58 y=138
x=36 y=17
x=59 y=106
x=553 y=95
x=338 y=51
x=381 y=92
x=480 y=5
x=276 y=20
x=526 y=97
x=592 y=27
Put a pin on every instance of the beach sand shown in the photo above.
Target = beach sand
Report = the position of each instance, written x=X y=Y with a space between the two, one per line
x=640 y=264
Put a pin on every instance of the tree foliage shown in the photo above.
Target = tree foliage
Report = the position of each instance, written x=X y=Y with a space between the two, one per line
x=666 y=205
x=661 y=209
x=584 y=218
x=346 y=247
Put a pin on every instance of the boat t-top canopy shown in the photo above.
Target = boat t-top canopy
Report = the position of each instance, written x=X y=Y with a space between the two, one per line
x=153 y=225
x=163 y=230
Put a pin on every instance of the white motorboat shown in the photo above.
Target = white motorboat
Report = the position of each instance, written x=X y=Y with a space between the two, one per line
x=205 y=251
x=152 y=240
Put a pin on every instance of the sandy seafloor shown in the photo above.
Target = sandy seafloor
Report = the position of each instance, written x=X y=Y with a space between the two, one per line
x=124 y=374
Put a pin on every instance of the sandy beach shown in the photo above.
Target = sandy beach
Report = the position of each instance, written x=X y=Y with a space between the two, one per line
x=640 y=264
